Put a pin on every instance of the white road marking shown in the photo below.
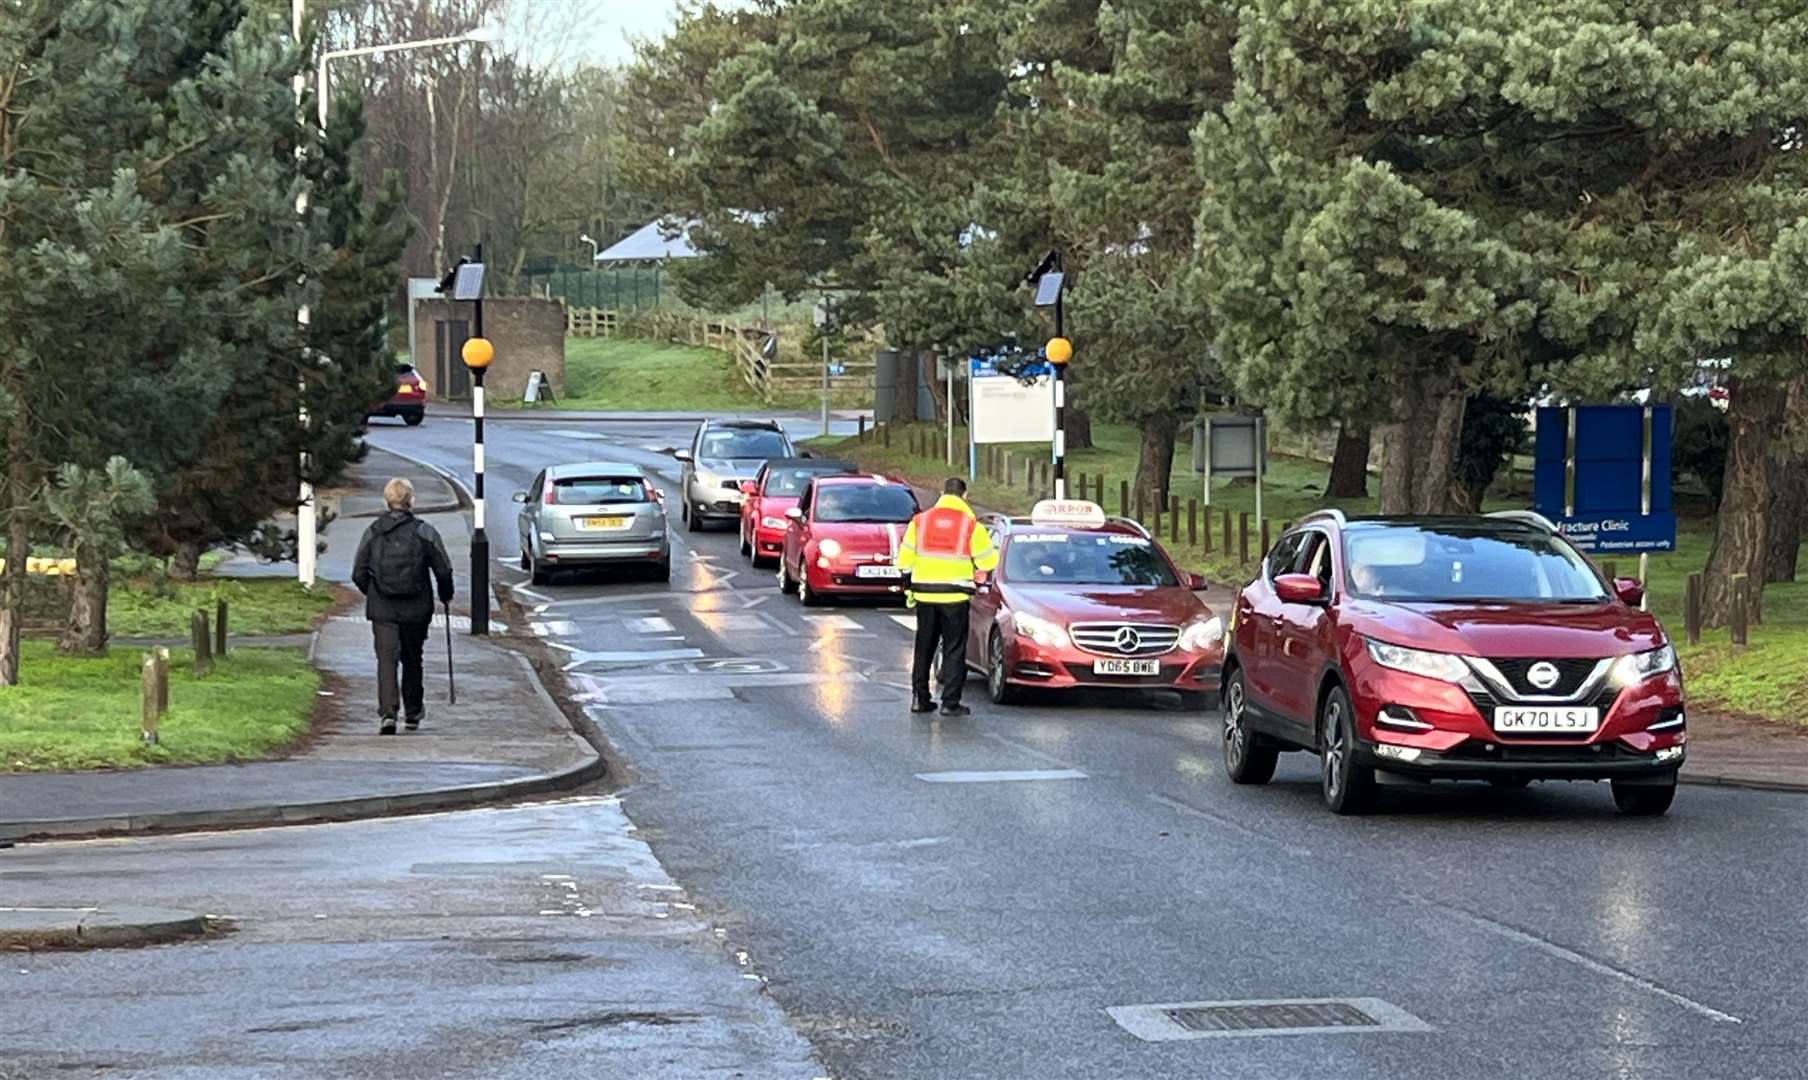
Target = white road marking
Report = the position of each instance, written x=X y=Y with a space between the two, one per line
x=1002 y=776
x=1589 y=963
x=580 y=657
x=832 y=622
x=642 y=689
x=908 y=622
x=566 y=433
x=554 y=628
x=523 y=590
x=463 y=623
x=652 y=625
x=739 y=622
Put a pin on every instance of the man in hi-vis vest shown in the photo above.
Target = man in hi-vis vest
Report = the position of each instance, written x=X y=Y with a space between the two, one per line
x=943 y=550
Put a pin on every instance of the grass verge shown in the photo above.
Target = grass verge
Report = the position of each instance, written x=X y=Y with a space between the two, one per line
x=70 y=713
x=158 y=607
x=632 y=375
x=1768 y=678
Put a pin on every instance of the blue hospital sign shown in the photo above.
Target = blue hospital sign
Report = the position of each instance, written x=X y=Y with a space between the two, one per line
x=1602 y=473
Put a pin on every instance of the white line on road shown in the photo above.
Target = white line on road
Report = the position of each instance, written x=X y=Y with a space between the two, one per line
x=832 y=622
x=1002 y=776
x=652 y=625
x=554 y=628
x=908 y=622
x=1551 y=948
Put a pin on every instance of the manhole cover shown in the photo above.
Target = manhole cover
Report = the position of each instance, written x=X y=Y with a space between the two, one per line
x=1229 y=1019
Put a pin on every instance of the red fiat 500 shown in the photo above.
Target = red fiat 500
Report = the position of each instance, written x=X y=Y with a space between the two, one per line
x=842 y=538
x=1463 y=648
x=771 y=493
x=1080 y=600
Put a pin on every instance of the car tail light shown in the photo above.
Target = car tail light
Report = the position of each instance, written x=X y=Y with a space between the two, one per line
x=550 y=496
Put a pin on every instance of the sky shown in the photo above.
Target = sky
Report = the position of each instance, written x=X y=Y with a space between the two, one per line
x=601 y=30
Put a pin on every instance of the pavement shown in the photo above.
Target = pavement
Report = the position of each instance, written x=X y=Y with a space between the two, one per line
x=95 y=927
x=506 y=737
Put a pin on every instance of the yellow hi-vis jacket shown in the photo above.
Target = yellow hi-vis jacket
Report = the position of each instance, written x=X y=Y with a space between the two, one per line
x=943 y=548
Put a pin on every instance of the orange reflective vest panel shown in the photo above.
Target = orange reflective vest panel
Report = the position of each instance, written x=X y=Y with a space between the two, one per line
x=945 y=533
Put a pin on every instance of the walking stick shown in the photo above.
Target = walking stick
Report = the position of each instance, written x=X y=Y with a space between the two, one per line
x=451 y=685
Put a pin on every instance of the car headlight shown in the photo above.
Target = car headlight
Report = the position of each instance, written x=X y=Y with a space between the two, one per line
x=772 y=522
x=1202 y=635
x=1432 y=665
x=707 y=479
x=829 y=547
x=1039 y=630
x=1636 y=668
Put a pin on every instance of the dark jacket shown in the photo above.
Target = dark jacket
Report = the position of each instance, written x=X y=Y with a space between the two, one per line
x=416 y=607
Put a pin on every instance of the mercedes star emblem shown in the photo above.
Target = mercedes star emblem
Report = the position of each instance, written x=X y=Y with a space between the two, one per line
x=1127 y=639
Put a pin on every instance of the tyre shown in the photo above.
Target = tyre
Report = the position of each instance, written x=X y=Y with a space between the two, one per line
x=1347 y=787
x=1644 y=800
x=414 y=419
x=747 y=548
x=524 y=562
x=662 y=571
x=786 y=583
x=692 y=523
x=540 y=575
x=997 y=687
x=806 y=595
x=1249 y=758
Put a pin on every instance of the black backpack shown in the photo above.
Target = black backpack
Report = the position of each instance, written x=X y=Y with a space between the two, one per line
x=401 y=562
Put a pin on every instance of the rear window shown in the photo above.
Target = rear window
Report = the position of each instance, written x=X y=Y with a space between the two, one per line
x=1085 y=559
x=885 y=503
x=743 y=443
x=791 y=482
x=597 y=490
x=1467 y=564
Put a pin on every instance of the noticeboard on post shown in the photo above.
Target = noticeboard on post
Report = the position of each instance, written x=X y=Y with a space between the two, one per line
x=1006 y=409
x=1602 y=474
x=1233 y=446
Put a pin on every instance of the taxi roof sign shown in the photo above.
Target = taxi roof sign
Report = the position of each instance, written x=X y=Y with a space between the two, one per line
x=1076 y=513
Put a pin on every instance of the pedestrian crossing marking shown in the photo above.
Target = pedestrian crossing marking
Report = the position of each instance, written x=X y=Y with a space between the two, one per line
x=554 y=628
x=908 y=622
x=833 y=622
x=653 y=625
x=1002 y=776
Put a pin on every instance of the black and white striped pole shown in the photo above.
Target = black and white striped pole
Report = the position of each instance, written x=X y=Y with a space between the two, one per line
x=477 y=354
x=1051 y=279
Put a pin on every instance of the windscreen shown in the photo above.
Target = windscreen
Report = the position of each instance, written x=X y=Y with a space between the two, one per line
x=598 y=490
x=790 y=482
x=887 y=503
x=743 y=443
x=1085 y=559
x=1462 y=563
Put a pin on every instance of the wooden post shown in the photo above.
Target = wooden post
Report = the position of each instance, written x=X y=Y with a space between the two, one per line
x=1225 y=521
x=1007 y=470
x=149 y=711
x=219 y=628
x=1139 y=504
x=1123 y=498
x=1611 y=569
x=860 y=435
x=1754 y=600
x=1155 y=511
x=1265 y=541
x=1173 y=519
x=162 y=681
x=1692 y=609
x=1029 y=481
x=1192 y=523
x=885 y=437
x=1738 y=612
x=203 y=644
x=1243 y=538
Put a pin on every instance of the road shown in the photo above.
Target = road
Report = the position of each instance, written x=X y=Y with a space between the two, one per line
x=912 y=927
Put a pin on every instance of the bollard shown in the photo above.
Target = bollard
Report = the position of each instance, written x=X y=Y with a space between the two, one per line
x=860 y=434
x=1243 y=537
x=885 y=437
x=1611 y=569
x=1265 y=542
x=1754 y=600
x=219 y=629
x=1139 y=504
x=1029 y=482
x=1173 y=519
x=1225 y=521
x=1155 y=530
x=1123 y=498
x=147 y=689
x=203 y=644
x=1737 y=621
x=1007 y=471
x=1192 y=523
x=162 y=681
x=1692 y=609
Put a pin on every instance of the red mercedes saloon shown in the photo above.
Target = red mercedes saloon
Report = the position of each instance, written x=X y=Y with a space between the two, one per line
x=1449 y=648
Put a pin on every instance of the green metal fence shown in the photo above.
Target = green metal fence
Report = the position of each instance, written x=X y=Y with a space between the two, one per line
x=620 y=288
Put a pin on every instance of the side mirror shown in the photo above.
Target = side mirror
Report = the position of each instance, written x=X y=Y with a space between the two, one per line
x=1299 y=589
x=748 y=487
x=1196 y=582
x=519 y=496
x=683 y=456
x=795 y=514
x=1630 y=592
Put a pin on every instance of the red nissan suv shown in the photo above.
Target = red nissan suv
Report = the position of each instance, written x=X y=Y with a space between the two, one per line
x=1449 y=648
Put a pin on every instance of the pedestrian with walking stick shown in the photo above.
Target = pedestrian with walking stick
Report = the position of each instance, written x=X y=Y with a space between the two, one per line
x=944 y=551
x=400 y=559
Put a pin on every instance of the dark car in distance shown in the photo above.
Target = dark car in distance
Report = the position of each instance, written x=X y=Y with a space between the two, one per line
x=409 y=401
x=1449 y=648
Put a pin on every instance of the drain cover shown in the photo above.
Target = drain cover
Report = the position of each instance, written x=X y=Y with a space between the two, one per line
x=1228 y=1019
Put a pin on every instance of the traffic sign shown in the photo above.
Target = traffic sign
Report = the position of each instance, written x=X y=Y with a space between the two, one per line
x=1602 y=474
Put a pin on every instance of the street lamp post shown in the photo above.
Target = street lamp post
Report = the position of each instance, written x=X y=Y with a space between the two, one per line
x=594 y=248
x=306 y=520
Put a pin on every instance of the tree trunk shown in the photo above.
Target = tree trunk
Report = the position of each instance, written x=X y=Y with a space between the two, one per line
x=1434 y=492
x=1742 y=527
x=1078 y=425
x=904 y=409
x=18 y=549
x=1155 y=460
x=938 y=387
x=1350 y=464
x=85 y=634
x=1403 y=444
x=1789 y=509
x=185 y=564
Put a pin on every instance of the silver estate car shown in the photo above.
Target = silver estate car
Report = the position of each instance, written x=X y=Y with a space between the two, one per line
x=598 y=513
x=722 y=456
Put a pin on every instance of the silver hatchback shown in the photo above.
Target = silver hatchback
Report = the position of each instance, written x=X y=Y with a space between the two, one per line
x=598 y=513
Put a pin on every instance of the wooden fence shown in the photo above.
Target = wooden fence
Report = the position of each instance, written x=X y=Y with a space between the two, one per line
x=786 y=374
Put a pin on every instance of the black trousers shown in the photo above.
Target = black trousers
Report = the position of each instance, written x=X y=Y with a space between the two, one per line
x=944 y=627
x=399 y=643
